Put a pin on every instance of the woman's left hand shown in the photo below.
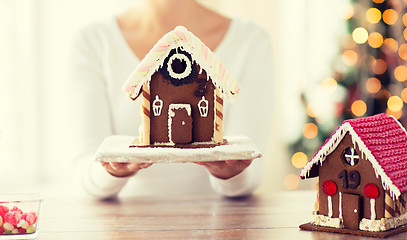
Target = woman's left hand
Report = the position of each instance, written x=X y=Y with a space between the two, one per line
x=226 y=169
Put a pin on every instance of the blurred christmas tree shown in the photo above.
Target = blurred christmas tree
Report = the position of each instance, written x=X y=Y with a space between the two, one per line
x=369 y=75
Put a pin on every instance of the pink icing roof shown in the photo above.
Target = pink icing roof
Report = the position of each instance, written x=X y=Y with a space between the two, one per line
x=383 y=141
x=200 y=53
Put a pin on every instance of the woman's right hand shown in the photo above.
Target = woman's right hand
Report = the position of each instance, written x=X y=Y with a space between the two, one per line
x=124 y=169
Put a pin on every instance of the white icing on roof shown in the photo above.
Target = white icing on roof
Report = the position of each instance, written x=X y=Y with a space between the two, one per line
x=200 y=53
x=334 y=141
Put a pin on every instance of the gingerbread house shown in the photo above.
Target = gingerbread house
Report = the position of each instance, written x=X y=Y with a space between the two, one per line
x=182 y=85
x=362 y=170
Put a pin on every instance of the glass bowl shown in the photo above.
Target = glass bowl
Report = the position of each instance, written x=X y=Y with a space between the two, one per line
x=19 y=215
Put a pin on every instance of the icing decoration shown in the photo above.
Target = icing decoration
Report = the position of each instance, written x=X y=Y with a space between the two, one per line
x=171 y=114
x=181 y=38
x=325 y=221
x=157 y=106
x=329 y=206
x=383 y=224
x=340 y=205
x=329 y=188
x=382 y=141
x=371 y=191
x=176 y=68
x=203 y=107
x=372 y=209
x=351 y=156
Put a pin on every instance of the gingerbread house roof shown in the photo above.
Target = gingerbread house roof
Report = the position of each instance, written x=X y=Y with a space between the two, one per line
x=382 y=140
x=200 y=53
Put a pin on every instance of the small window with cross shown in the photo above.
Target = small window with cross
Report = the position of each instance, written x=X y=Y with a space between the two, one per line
x=350 y=156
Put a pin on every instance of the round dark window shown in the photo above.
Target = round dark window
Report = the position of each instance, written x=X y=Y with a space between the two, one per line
x=350 y=156
x=178 y=68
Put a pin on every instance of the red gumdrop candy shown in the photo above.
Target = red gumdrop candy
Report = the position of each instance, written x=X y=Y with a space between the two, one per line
x=30 y=217
x=371 y=191
x=16 y=209
x=1 y=230
x=12 y=217
x=3 y=210
x=329 y=187
x=22 y=230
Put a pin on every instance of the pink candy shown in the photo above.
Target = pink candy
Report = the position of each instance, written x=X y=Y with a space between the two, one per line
x=30 y=217
x=16 y=209
x=12 y=217
x=3 y=210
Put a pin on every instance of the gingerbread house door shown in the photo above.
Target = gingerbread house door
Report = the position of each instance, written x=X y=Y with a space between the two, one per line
x=180 y=123
x=351 y=210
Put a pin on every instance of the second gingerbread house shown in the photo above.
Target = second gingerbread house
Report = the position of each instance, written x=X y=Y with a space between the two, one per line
x=362 y=170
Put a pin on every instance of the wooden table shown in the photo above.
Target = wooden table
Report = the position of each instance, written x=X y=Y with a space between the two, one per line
x=271 y=216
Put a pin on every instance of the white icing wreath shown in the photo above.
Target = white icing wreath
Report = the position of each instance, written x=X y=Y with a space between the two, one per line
x=188 y=68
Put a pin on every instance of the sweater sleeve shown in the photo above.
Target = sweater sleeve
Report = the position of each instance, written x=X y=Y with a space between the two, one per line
x=91 y=114
x=250 y=115
x=240 y=185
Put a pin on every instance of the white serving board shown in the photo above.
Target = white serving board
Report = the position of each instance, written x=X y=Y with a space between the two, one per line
x=116 y=149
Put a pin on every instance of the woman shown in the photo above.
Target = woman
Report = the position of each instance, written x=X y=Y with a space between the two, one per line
x=107 y=52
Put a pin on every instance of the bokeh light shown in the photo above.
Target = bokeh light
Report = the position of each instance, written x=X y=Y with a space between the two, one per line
x=396 y=114
x=383 y=94
x=360 y=35
x=350 y=57
x=400 y=73
x=375 y=40
x=378 y=1
x=404 y=95
x=310 y=130
x=395 y=103
x=390 y=16
x=373 y=85
x=373 y=15
x=348 y=12
x=310 y=111
x=391 y=44
x=379 y=66
x=299 y=159
x=291 y=181
x=359 y=108
x=403 y=51
x=329 y=84
x=405 y=34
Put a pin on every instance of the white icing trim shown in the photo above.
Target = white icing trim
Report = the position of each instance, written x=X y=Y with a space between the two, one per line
x=322 y=220
x=171 y=114
x=372 y=209
x=334 y=141
x=383 y=224
x=201 y=54
x=157 y=108
x=188 y=68
x=203 y=110
x=340 y=205
x=329 y=206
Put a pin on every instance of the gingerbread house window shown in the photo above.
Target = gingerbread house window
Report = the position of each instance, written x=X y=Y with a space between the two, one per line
x=350 y=156
x=179 y=66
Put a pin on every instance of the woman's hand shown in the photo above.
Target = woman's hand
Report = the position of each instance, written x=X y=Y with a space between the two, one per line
x=124 y=169
x=226 y=169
